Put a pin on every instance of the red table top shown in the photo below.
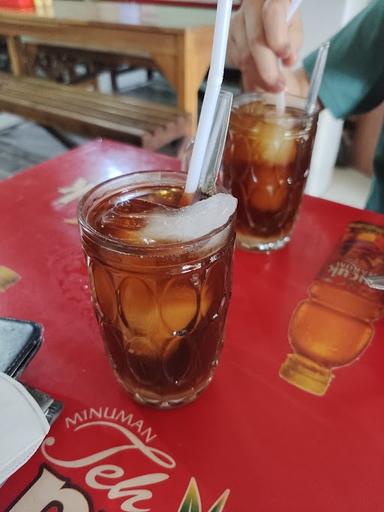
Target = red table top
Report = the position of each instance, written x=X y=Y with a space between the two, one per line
x=271 y=445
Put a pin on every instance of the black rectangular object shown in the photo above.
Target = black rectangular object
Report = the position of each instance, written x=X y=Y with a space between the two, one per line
x=19 y=342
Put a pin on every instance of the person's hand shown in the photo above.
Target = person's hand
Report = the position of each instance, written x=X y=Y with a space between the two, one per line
x=258 y=36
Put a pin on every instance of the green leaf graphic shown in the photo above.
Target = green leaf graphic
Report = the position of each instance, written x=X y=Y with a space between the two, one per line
x=191 y=501
x=219 y=505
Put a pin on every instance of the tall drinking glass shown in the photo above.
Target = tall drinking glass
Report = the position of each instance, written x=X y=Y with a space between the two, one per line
x=161 y=304
x=266 y=164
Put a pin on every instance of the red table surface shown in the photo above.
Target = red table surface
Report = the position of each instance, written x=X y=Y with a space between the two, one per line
x=274 y=447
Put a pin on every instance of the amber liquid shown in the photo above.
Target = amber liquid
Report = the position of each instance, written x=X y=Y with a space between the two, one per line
x=161 y=313
x=335 y=324
x=328 y=337
x=266 y=164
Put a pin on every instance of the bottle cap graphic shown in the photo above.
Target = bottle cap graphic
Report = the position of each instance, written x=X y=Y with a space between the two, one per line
x=306 y=374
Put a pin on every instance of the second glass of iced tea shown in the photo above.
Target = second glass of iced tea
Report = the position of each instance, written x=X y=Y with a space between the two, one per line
x=266 y=164
x=160 y=287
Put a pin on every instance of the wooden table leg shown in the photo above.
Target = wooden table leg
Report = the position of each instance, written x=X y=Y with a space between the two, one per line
x=194 y=59
x=15 y=51
x=186 y=70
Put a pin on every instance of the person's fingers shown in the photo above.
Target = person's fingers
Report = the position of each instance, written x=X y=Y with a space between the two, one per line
x=242 y=54
x=296 y=34
x=235 y=47
x=290 y=60
x=296 y=41
x=276 y=32
x=239 y=55
x=266 y=68
x=258 y=35
x=242 y=57
x=238 y=52
x=249 y=80
x=297 y=83
x=264 y=59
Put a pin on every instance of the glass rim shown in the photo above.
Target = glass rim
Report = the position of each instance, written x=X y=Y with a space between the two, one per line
x=256 y=95
x=115 y=244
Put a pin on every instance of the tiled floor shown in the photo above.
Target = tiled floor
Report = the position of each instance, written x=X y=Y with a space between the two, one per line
x=24 y=144
x=349 y=187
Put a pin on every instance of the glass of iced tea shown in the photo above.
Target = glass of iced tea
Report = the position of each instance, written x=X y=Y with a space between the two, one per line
x=266 y=164
x=160 y=281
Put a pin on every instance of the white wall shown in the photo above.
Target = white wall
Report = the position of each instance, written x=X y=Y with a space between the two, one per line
x=322 y=19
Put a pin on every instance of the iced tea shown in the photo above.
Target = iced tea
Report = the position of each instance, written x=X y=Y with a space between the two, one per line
x=266 y=164
x=160 y=291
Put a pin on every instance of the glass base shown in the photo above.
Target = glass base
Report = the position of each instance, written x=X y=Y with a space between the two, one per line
x=145 y=397
x=306 y=374
x=250 y=243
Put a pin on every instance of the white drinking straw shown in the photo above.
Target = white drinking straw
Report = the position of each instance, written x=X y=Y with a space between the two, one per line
x=215 y=79
x=280 y=97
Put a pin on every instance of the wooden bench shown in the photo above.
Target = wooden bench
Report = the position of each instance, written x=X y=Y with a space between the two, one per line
x=93 y=114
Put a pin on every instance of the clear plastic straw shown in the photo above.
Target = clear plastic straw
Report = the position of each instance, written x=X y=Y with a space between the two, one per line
x=316 y=78
x=216 y=143
x=280 y=97
x=215 y=79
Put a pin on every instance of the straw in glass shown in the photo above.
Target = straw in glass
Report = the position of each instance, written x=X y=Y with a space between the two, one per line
x=215 y=79
x=216 y=143
x=316 y=78
x=280 y=97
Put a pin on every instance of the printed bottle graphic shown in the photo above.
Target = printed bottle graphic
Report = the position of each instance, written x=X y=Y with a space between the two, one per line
x=334 y=325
